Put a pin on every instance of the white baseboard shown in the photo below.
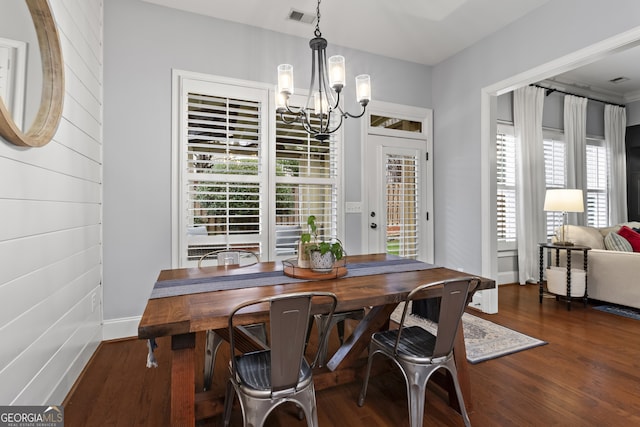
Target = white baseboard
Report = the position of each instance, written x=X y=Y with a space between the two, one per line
x=124 y=327
x=507 y=277
x=65 y=385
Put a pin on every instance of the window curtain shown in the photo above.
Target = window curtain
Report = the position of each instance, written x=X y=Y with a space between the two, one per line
x=575 y=132
x=615 y=122
x=530 y=182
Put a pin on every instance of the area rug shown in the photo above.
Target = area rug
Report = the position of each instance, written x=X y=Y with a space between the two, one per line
x=484 y=340
x=632 y=313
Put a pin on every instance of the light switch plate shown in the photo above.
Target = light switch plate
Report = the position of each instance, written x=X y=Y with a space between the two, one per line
x=353 y=207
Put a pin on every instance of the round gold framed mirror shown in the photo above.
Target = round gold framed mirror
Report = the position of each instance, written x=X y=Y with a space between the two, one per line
x=50 y=111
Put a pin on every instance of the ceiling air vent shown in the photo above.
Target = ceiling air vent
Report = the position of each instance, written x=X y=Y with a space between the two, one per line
x=304 y=17
x=619 y=80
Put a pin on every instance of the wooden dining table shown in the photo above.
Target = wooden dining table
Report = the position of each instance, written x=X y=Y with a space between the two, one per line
x=181 y=316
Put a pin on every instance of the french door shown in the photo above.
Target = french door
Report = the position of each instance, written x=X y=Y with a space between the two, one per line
x=398 y=182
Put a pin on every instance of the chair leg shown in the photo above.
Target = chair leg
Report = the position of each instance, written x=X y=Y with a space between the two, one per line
x=451 y=366
x=363 y=392
x=213 y=343
x=416 y=390
x=306 y=403
x=228 y=403
x=416 y=378
x=312 y=410
x=257 y=411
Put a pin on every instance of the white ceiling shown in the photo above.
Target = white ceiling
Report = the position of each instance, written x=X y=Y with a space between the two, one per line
x=422 y=31
x=594 y=79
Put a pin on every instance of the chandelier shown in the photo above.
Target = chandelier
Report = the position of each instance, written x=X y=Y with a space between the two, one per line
x=319 y=118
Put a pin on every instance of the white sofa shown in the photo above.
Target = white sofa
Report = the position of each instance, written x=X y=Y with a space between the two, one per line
x=613 y=276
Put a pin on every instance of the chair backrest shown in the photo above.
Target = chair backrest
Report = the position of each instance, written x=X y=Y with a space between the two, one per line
x=235 y=257
x=455 y=295
x=289 y=316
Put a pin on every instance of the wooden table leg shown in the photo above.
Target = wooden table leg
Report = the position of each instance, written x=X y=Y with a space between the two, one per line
x=183 y=380
x=358 y=341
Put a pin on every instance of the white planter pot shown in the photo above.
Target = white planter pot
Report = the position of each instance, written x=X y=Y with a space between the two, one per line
x=321 y=263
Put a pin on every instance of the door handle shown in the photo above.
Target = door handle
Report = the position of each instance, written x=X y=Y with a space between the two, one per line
x=373 y=225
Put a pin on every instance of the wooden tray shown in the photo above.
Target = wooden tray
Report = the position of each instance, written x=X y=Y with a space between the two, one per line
x=291 y=269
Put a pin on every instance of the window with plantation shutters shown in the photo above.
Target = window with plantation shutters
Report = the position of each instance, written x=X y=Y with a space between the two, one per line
x=224 y=173
x=554 y=171
x=244 y=179
x=506 y=185
x=306 y=177
x=597 y=204
x=597 y=214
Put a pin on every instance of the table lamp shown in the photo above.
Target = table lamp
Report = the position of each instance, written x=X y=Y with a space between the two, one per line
x=563 y=200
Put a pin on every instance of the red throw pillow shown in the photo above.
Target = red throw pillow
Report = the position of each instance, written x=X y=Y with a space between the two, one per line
x=631 y=236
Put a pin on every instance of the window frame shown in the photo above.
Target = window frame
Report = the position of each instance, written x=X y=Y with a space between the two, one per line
x=552 y=219
x=180 y=81
x=505 y=244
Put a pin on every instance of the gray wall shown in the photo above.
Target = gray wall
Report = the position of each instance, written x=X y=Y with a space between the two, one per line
x=457 y=83
x=143 y=43
x=633 y=113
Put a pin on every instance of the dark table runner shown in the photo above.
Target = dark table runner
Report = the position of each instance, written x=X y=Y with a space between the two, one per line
x=169 y=288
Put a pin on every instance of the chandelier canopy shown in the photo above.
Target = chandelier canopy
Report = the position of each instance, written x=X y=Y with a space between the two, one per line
x=319 y=118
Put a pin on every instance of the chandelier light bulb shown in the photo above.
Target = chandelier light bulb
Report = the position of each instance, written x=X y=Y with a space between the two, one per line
x=337 y=72
x=320 y=103
x=363 y=89
x=285 y=79
x=281 y=102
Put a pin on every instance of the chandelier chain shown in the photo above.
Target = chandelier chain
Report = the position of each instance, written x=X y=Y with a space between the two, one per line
x=317 y=32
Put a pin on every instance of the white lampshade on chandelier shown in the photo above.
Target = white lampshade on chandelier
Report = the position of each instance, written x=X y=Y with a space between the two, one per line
x=564 y=200
x=327 y=82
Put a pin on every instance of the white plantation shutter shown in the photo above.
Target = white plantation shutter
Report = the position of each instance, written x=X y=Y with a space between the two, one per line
x=224 y=169
x=402 y=201
x=597 y=171
x=506 y=188
x=554 y=170
x=597 y=198
x=555 y=173
x=306 y=177
x=240 y=186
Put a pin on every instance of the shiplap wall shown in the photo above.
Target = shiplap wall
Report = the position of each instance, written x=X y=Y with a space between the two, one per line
x=50 y=229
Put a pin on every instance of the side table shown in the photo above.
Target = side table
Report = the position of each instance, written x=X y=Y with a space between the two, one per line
x=569 y=249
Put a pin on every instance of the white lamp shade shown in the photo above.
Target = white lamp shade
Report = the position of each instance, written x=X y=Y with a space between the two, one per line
x=363 y=88
x=285 y=79
x=564 y=200
x=337 y=72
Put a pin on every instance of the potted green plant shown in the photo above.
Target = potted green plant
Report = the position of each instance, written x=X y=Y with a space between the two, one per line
x=322 y=254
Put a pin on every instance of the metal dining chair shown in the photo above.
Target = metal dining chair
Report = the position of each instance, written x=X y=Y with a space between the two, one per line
x=264 y=379
x=228 y=258
x=418 y=353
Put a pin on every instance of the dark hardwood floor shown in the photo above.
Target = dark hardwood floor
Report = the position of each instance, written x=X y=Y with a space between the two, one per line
x=588 y=375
